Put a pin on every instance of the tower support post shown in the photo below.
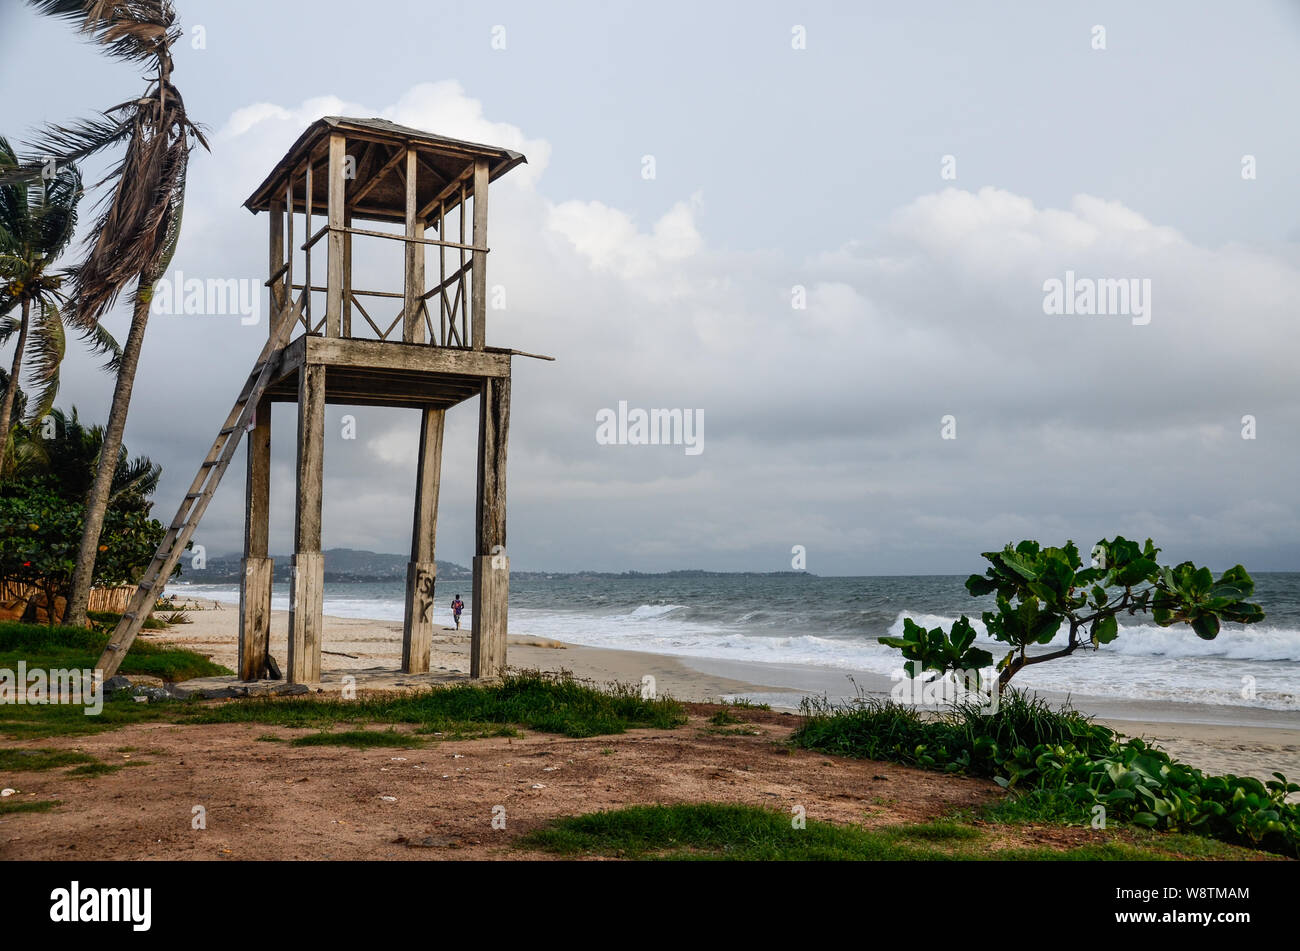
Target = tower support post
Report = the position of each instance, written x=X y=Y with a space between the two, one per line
x=491 y=561
x=307 y=583
x=255 y=579
x=422 y=569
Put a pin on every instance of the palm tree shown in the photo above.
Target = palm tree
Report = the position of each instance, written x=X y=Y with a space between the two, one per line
x=132 y=242
x=69 y=455
x=37 y=219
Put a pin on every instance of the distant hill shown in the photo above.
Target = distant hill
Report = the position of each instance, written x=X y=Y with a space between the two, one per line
x=349 y=564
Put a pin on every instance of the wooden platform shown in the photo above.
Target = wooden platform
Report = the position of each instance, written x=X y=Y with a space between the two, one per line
x=375 y=373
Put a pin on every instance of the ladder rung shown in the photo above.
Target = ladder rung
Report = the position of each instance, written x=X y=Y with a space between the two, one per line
x=228 y=430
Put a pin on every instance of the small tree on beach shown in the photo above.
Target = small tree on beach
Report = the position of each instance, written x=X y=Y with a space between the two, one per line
x=41 y=510
x=1038 y=590
x=132 y=242
x=37 y=221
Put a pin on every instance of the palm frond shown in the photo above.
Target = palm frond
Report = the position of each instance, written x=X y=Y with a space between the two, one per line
x=55 y=211
x=47 y=348
x=139 y=222
x=133 y=30
x=99 y=340
x=138 y=476
x=13 y=199
x=69 y=144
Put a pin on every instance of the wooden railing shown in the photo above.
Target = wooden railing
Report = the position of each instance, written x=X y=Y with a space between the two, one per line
x=461 y=281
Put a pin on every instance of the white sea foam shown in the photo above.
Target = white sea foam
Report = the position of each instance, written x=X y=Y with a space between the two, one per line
x=1146 y=661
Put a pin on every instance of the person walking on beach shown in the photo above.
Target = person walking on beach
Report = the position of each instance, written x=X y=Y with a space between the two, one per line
x=456 y=607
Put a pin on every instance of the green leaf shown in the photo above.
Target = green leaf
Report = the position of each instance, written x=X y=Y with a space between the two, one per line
x=1105 y=630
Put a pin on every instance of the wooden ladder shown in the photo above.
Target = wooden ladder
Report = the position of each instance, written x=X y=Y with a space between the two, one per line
x=199 y=495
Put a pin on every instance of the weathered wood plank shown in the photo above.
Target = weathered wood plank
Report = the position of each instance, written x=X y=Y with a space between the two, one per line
x=424 y=531
x=347 y=273
x=254 y=617
x=335 y=259
x=377 y=177
x=381 y=355
x=305 y=611
x=417 y=622
x=306 y=607
x=491 y=562
x=413 y=278
x=257 y=484
x=494 y=424
x=478 y=292
x=277 y=264
x=306 y=261
x=422 y=570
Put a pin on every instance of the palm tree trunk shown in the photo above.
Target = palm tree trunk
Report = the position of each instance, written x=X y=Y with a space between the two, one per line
x=97 y=498
x=11 y=390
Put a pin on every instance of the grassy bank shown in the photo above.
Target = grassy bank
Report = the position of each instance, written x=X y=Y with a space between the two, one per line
x=52 y=648
x=712 y=831
x=547 y=702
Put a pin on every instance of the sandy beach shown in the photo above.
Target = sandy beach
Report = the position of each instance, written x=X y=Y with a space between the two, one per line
x=1217 y=739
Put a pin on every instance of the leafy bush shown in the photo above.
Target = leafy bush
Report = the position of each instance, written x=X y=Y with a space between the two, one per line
x=1040 y=589
x=40 y=531
x=1069 y=763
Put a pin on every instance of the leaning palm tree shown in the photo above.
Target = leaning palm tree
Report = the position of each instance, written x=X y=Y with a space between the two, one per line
x=131 y=243
x=37 y=219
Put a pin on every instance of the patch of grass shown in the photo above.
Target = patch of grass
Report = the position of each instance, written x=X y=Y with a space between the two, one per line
x=40 y=721
x=940 y=830
x=724 y=718
x=744 y=704
x=730 y=731
x=108 y=620
x=551 y=703
x=712 y=831
x=9 y=806
x=358 y=738
x=1039 y=805
x=100 y=769
x=52 y=648
x=17 y=759
x=466 y=731
x=270 y=738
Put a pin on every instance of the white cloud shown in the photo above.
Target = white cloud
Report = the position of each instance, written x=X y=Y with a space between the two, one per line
x=822 y=425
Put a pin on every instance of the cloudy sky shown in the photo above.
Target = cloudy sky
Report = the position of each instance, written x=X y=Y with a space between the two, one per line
x=828 y=168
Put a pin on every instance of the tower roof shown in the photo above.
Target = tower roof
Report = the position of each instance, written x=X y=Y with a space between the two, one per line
x=377 y=143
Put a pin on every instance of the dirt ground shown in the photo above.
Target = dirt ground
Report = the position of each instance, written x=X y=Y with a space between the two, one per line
x=269 y=800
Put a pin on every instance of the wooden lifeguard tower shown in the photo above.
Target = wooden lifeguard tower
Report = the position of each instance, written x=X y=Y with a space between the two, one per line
x=332 y=342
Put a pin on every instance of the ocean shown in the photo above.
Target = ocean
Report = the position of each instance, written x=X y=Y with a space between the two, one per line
x=834 y=623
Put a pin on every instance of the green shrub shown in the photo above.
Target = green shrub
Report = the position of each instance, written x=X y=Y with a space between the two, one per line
x=1065 y=763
